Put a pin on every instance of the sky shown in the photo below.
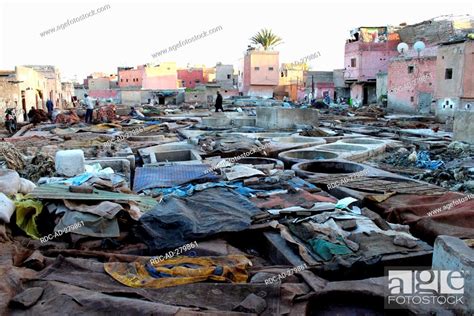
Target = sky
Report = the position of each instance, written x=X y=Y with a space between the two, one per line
x=129 y=32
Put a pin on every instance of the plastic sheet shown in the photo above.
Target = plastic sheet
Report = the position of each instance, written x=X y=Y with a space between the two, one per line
x=423 y=160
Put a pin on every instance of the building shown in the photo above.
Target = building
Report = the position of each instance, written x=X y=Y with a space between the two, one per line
x=259 y=73
x=129 y=77
x=22 y=89
x=367 y=53
x=209 y=74
x=225 y=76
x=159 y=77
x=322 y=82
x=53 y=89
x=413 y=76
x=341 y=89
x=190 y=77
x=411 y=84
x=102 y=83
x=68 y=94
x=290 y=82
x=454 y=78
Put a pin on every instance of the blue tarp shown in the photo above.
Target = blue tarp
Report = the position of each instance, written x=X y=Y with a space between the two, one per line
x=170 y=176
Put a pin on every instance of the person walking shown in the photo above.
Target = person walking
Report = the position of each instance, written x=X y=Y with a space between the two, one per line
x=89 y=108
x=219 y=102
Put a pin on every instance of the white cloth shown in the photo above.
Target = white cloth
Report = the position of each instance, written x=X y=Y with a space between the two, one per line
x=89 y=103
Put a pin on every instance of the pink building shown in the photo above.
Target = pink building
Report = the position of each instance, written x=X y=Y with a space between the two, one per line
x=411 y=83
x=259 y=74
x=130 y=78
x=188 y=78
x=367 y=53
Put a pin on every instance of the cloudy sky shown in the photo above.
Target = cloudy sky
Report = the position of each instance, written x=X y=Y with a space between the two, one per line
x=128 y=33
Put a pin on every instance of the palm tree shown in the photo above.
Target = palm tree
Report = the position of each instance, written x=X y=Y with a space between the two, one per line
x=266 y=38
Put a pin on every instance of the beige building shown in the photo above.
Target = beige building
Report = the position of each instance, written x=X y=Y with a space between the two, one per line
x=53 y=89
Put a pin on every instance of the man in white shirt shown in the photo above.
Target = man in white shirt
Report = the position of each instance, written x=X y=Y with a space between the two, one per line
x=89 y=108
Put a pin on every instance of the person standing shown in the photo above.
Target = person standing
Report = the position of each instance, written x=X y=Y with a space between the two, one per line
x=219 y=102
x=89 y=108
x=49 y=107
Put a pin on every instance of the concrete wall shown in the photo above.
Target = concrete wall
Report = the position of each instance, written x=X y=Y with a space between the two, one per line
x=131 y=97
x=338 y=78
x=99 y=83
x=106 y=94
x=464 y=125
x=280 y=118
x=381 y=86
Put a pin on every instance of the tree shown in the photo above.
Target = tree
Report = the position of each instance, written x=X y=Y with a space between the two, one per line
x=266 y=38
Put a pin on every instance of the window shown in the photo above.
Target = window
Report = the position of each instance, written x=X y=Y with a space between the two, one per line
x=126 y=80
x=282 y=74
x=121 y=80
x=270 y=68
x=256 y=68
x=228 y=76
x=410 y=69
x=412 y=99
x=448 y=74
x=353 y=62
x=225 y=91
x=197 y=81
x=468 y=106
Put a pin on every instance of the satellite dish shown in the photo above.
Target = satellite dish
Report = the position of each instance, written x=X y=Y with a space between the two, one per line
x=419 y=46
x=402 y=48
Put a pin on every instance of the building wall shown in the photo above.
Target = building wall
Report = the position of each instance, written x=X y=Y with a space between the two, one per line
x=357 y=92
x=68 y=93
x=381 y=85
x=35 y=87
x=267 y=74
x=131 y=97
x=188 y=78
x=453 y=94
x=105 y=94
x=262 y=80
x=371 y=58
x=131 y=78
x=53 y=88
x=99 y=83
x=162 y=76
x=261 y=91
x=9 y=96
x=225 y=75
x=411 y=92
x=464 y=126
x=468 y=77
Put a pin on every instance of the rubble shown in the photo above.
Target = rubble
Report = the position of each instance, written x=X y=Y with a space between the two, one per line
x=247 y=217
